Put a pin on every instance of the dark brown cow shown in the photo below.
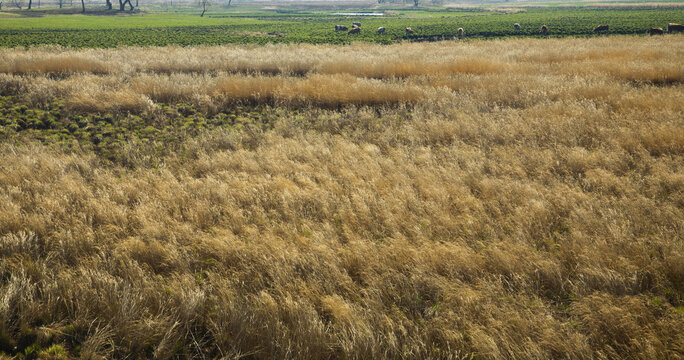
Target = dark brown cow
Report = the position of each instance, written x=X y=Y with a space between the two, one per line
x=601 y=28
x=544 y=30
x=409 y=31
x=516 y=26
x=355 y=30
x=460 y=33
x=656 y=31
x=674 y=28
x=381 y=30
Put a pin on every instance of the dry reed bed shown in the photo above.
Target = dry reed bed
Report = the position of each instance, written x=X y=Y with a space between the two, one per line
x=361 y=59
x=133 y=79
x=523 y=214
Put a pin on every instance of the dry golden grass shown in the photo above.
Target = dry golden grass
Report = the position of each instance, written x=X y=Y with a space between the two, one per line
x=525 y=200
x=93 y=80
x=57 y=64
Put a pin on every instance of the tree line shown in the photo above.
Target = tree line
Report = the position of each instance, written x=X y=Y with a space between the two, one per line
x=19 y=4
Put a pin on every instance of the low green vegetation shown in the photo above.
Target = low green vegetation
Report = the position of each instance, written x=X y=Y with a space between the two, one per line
x=109 y=135
x=257 y=26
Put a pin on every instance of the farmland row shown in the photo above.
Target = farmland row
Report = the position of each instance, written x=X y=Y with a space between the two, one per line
x=319 y=30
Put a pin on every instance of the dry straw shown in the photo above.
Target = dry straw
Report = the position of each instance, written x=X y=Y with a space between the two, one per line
x=520 y=199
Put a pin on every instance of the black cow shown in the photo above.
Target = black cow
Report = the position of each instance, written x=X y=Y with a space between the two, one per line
x=601 y=28
x=674 y=28
x=656 y=31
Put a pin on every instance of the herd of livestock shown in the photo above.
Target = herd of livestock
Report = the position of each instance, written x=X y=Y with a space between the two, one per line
x=671 y=28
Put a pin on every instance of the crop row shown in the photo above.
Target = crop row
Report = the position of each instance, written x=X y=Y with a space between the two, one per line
x=561 y=22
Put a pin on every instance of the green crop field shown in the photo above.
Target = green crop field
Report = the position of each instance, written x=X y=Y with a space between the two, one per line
x=254 y=25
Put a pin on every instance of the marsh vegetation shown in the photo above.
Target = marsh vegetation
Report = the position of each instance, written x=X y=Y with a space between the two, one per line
x=520 y=198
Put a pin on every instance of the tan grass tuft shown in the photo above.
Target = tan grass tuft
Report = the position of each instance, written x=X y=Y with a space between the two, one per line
x=54 y=65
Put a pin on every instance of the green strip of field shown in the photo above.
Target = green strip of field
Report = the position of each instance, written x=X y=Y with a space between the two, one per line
x=89 y=22
x=239 y=26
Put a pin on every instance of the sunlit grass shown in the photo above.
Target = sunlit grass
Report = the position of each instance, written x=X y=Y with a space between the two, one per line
x=499 y=199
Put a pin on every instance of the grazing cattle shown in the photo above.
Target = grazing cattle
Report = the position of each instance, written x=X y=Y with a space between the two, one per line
x=409 y=31
x=674 y=28
x=460 y=33
x=544 y=30
x=355 y=30
x=357 y=24
x=516 y=26
x=381 y=30
x=601 y=28
x=656 y=31
x=340 y=28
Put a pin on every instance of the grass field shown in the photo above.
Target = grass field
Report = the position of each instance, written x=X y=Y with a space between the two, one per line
x=515 y=198
x=245 y=24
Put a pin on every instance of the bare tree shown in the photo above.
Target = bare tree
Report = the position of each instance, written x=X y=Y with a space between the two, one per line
x=122 y=5
x=60 y=3
x=204 y=4
x=415 y=3
x=29 y=5
x=109 y=4
x=83 y=6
